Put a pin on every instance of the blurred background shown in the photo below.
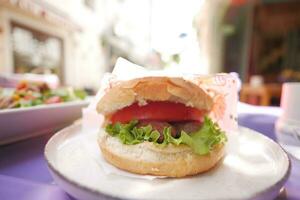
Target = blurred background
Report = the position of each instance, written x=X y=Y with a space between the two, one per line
x=74 y=42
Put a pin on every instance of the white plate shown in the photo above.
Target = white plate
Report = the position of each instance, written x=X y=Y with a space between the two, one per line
x=256 y=171
x=21 y=123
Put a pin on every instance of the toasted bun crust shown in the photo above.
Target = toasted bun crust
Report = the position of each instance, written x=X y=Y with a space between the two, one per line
x=146 y=158
x=145 y=89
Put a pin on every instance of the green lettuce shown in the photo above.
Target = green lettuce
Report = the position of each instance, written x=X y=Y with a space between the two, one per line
x=201 y=141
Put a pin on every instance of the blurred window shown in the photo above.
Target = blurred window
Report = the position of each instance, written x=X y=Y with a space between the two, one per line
x=35 y=51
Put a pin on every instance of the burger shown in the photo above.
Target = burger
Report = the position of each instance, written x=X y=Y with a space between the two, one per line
x=160 y=126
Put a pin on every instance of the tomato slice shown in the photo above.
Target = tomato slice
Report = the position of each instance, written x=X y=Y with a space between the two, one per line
x=54 y=99
x=158 y=110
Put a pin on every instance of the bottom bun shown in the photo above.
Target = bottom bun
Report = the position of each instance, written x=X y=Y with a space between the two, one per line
x=147 y=158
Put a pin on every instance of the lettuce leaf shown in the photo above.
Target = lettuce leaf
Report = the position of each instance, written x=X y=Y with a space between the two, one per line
x=201 y=141
x=204 y=140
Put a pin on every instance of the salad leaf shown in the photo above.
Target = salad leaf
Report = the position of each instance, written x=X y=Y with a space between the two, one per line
x=81 y=94
x=201 y=142
x=204 y=140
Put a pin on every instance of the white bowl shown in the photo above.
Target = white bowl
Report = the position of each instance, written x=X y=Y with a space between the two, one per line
x=22 y=123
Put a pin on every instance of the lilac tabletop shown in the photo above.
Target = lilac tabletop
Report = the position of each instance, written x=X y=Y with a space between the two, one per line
x=24 y=173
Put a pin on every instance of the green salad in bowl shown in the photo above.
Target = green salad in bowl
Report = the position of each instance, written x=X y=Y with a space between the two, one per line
x=28 y=94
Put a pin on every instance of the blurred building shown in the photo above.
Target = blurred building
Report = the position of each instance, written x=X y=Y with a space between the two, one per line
x=52 y=36
x=80 y=39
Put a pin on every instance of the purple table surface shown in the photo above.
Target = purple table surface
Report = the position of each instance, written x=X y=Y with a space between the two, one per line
x=24 y=173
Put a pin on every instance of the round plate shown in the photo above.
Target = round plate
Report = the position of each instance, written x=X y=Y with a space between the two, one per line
x=255 y=170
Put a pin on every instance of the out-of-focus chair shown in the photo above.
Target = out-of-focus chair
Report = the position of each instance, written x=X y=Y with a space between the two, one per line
x=260 y=95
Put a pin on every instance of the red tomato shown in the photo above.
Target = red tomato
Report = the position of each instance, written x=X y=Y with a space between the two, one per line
x=22 y=85
x=54 y=99
x=158 y=110
x=29 y=97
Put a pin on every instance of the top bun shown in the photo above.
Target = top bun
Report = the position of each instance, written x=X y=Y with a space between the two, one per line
x=146 y=89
